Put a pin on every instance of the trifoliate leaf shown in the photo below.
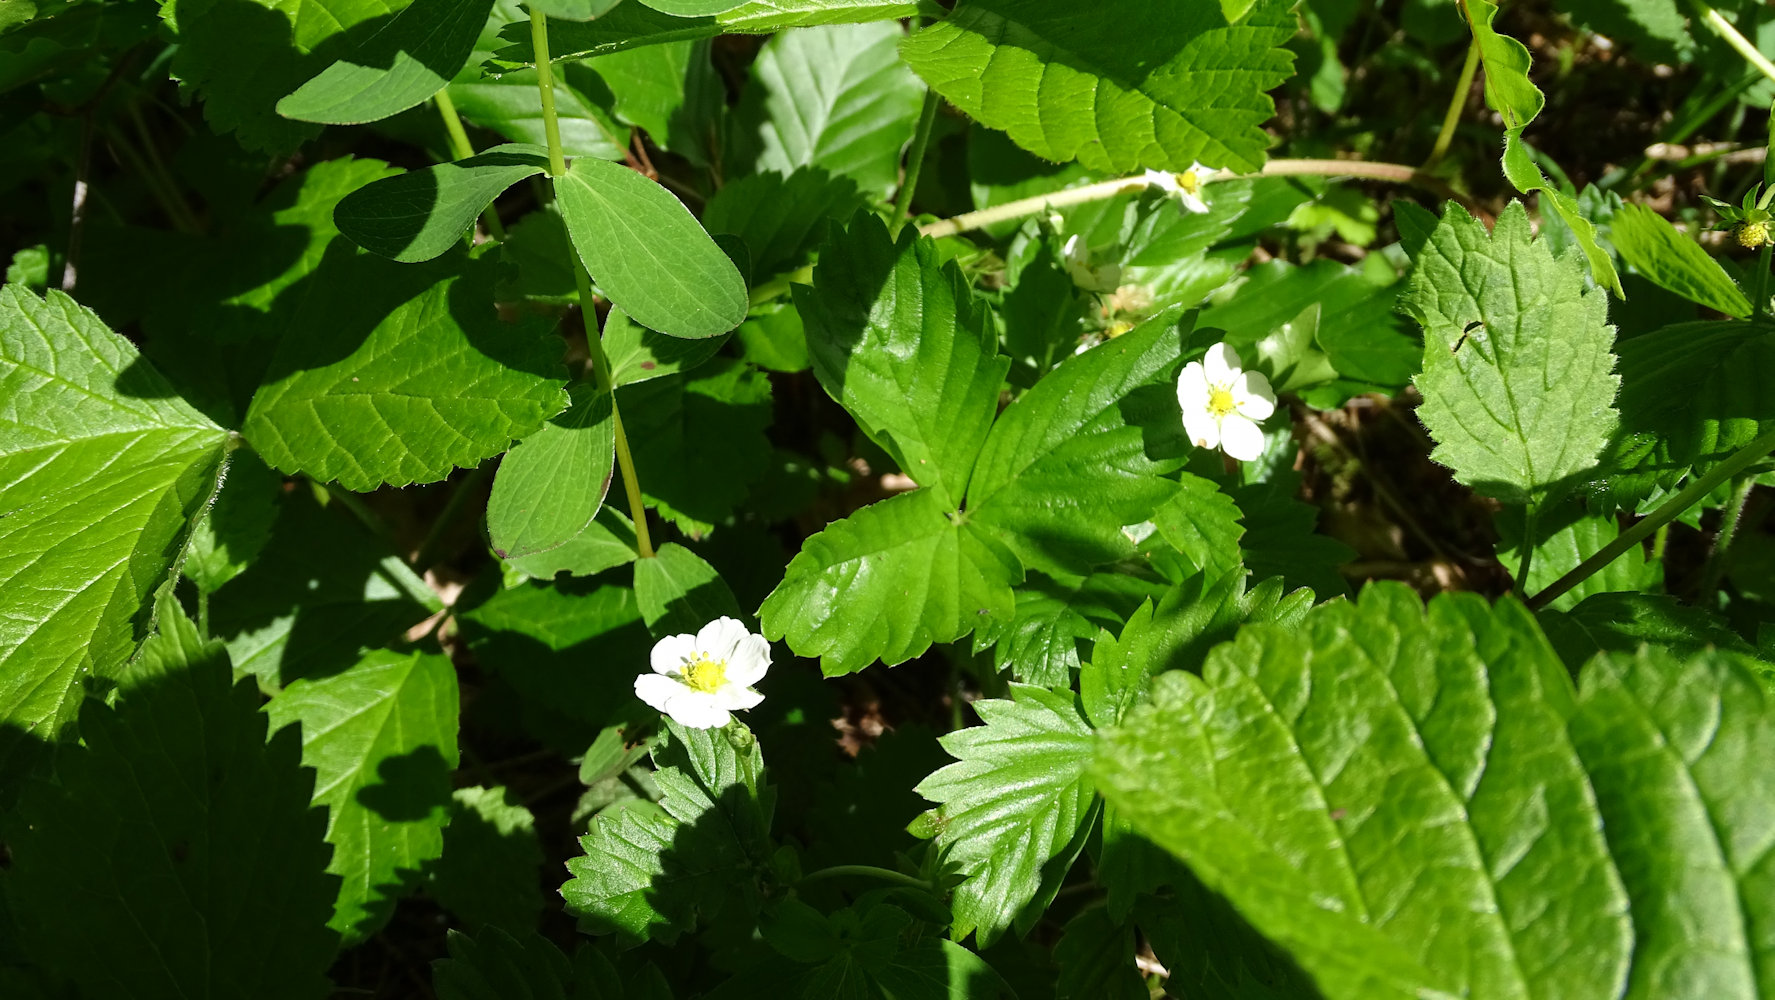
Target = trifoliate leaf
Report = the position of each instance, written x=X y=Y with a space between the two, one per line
x=1348 y=782
x=177 y=855
x=1072 y=82
x=699 y=440
x=1015 y=797
x=1653 y=247
x=635 y=24
x=421 y=214
x=487 y=874
x=551 y=484
x=901 y=343
x=102 y=470
x=1072 y=461
x=887 y=582
x=401 y=66
x=399 y=373
x=381 y=737
x=1517 y=379
x=781 y=219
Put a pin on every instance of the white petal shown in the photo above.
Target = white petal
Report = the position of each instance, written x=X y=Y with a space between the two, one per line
x=657 y=691
x=1163 y=180
x=1192 y=388
x=1241 y=438
x=1192 y=202
x=699 y=711
x=720 y=637
x=1072 y=250
x=671 y=653
x=735 y=698
x=1221 y=364
x=1202 y=428
x=751 y=658
x=1252 y=397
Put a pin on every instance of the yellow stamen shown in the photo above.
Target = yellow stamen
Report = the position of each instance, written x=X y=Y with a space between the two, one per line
x=1190 y=182
x=1220 y=401
x=705 y=674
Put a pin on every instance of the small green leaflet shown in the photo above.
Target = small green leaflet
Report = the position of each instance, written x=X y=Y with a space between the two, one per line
x=413 y=57
x=636 y=24
x=574 y=10
x=1073 y=81
x=692 y=8
x=421 y=214
x=647 y=253
x=637 y=354
x=678 y=592
x=551 y=484
x=1653 y=247
x=1518 y=379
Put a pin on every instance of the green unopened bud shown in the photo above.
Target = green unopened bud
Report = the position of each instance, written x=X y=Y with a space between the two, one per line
x=1751 y=235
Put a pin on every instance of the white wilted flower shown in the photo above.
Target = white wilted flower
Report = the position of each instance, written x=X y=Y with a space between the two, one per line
x=1223 y=405
x=700 y=679
x=1077 y=261
x=1186 y=187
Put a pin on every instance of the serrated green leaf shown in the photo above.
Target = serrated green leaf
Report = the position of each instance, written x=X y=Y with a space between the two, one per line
x=1282 y=537
x=1202 y=523
x=699 y=440
x=1621 y=623
x=643 y=248
x=1014 y=798
x=672 y=91
x=637 y=354
x=1095 y=954
x=401 y=66
x=1067 y=464
x=636 y=24
x=835 y=97
x=901 y=343
x=781 y=219
x=887 y=582
x=234 y=530
x=607 y=542
x=1352 y=781
x=102 y=470
x=1562 y=547
x=550 y=486
x=1070 y=82
x=421 y=214
x=177 y=855
x=381 y=737
x=403 y=373
x=1039 y=644
x=1653 y=247
x=495 y=965
x=1525 y=403
x=678 y=592
x=487 y=873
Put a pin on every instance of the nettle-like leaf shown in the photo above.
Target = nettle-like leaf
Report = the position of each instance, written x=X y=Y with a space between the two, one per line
x=381 y=737
x=487 y=874
x=551 y=484
x=781 y=219
x=1654 y=248
x=1017 y=796
x=1069 y=81
x=176 y=855
x=397 y=373
x=1517 y=379
x=1389 y=768
x=672 y=91
x=635 y=24
x=413 y=57
x=1621 y=623
x=646 y=874
x=421 y=214
x=102 y=469
x=699 y=440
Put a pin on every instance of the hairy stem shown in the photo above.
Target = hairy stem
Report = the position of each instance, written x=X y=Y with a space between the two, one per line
x=1528 y=550
x=1730 y=516
x=921 y=141
x=866 y=870
x=1456 y=103
x=1730 y=35
x=462 y=149
x=1692 y=494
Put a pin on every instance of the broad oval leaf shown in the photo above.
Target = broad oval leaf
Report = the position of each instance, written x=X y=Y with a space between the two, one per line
x=647 y=253
x=1654 y=248
x=413 y=57
x=421 y=214
x=573 y=10
x=693 y=8
x=551 y=484
x=636 y=24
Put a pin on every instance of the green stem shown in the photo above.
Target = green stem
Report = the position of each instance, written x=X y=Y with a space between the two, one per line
x=1759 y=284
x=545 y=85
x=1730 y=35
x=921 y=141
x=1452 y=117
x=462 y=149
x=1730 y=517
x=867 y=870
x=1691 y=494
x=625 y=458
x=203 y=614
x=1528 y=550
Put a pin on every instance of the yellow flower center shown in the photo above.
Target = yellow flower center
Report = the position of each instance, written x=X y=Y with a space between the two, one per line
x=705 y=675
x=1220 y=401
x=1190 y=182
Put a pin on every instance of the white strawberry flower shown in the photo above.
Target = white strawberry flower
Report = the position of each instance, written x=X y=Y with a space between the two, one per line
x=1077 y=261
x=1186 y=187
x=1223 y=405
x=700 y=679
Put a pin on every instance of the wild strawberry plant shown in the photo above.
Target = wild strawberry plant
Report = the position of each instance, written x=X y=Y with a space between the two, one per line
x=874 y=498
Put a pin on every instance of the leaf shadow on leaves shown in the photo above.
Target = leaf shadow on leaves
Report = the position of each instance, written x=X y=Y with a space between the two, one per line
x=410 y=786
x=490 y=874
x=848 y=314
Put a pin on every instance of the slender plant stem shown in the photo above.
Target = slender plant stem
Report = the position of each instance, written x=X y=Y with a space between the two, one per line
x=462 y=149
x=1691 y=494
x=77 y=211
x=1730 y=517
x=1456 y=104
x=870 y=871
x=1726 y=31
x=1759 y=284
x=921 y=141
x=1394 y=172
x=185 y=217
x=545 y=85
x=1528 y=549
x=203 y=614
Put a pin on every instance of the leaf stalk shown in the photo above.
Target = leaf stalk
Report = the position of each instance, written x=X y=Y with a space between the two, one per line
x=462 y=149
x=921 y=141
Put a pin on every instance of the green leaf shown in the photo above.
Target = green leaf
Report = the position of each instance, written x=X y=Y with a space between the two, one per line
x=1070 y=82
x=487 y=873
x=102 y=470
x=635 y=24
x=1066 y=464
x=835 y=97
x=1621 y=623
x=679 y=593
x=575 y=10
x=1015 y=797
x=403 y=372
x=901 y=343
x=1202 y=523
x=511 y=103
x=1654 y=248
x=607 y=542
x=1282 y=537
x=643 y=248
x=647 y=874
x=887 y=582
x=242 y=56
x=422 y=214
x=227 y=539
x=1096 y=958
x=692 y=8
x=552 y=483
x=495 y=965
x=176 y=855
x=781 y=219
x=1524 y=404
x=699 y=440
x=1561 y=547
x=1039 y=644
x=381 y=737
x=1373 y=772
x=673 y=92
x=637 y=354
x=401 y=66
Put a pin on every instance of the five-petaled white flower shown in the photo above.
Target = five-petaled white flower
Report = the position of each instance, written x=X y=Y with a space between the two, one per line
x=699 y=679
x=1077 y=261
x=1185 y=187
x=1223 y=405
